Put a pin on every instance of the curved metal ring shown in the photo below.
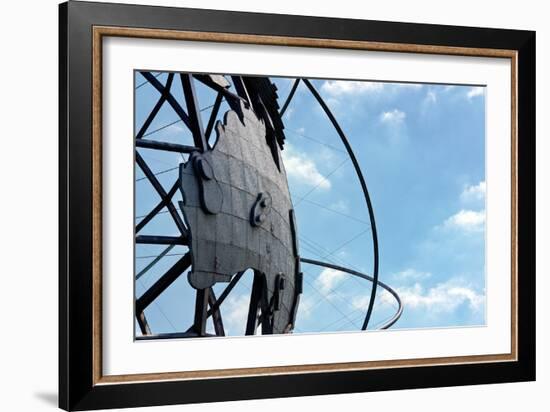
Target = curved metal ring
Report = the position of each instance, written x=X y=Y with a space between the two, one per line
x=395 y=317
x=361 y=181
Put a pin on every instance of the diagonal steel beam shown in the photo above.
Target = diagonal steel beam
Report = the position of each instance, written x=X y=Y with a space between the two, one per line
x=157 y=107
x=161 y=240
x=163 y=282
x=201 y=305
x=225 y=292
x=169 y=97
x=154 y=261
x=166 y=146
x=163 y=202
x=216 y=314
x=213 y=115
x=162 y=193
x=254 y=306
x=193 y=111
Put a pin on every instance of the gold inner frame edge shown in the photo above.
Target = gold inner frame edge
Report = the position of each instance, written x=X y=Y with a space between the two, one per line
x=102 y=31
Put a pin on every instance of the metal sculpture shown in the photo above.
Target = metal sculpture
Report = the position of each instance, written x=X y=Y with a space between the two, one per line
x=237 y=210
x=237 y=206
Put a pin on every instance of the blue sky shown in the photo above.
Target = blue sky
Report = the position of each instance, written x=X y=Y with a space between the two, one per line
x=421 y=148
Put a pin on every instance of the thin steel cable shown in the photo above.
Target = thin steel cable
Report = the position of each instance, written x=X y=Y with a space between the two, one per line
x=349 y=241
x=154 y=256
x=295 y=132
x=154 y=262
x=147 y=156
x=338 y=286
x=325 y=298
x=341 y=284
x=371 y=279
x=336 y=263
x=305 y=200
x=364 y=188
x=147 y=81
x=158 y=173
x=172 y=123
x=335 y=211
x=392 y=304
x=325 y=177
x=312 y=191
x=159 y=308
x=325 y=255
x=352 y=157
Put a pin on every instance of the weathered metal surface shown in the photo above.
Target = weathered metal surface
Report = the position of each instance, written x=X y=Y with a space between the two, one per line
x=220 y=80
x=237 y=206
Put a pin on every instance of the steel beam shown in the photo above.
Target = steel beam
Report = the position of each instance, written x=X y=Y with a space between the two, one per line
x=161 y=205
x=213 y=115
x=162 y=193
x=156 y=109
x=201 y=306
x=169 y=147
x=161 y=240
x=162 y=284
x=193 y=111
x=216 y=314
x=169 y=97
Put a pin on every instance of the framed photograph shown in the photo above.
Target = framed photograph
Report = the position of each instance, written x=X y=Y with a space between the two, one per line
x=257 y=206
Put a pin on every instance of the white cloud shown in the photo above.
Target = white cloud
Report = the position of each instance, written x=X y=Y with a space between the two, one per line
x=362 y=302
x=173 y=129
x=303 y=170
x=411 y=86
x=332 y=102
x=441 y=299
x=340 y=206
x=431 y=97
x=337 y=88
x=411 y=274
x=444 y=297
x=289 y=112
x=473 y=192
x=474 y=92
x=328 y=279
x=306 y=306
x=235 y=313
x=467 y=220
x=394 y=116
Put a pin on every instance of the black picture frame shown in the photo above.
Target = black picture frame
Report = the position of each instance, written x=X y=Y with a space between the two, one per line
x=77 y=390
